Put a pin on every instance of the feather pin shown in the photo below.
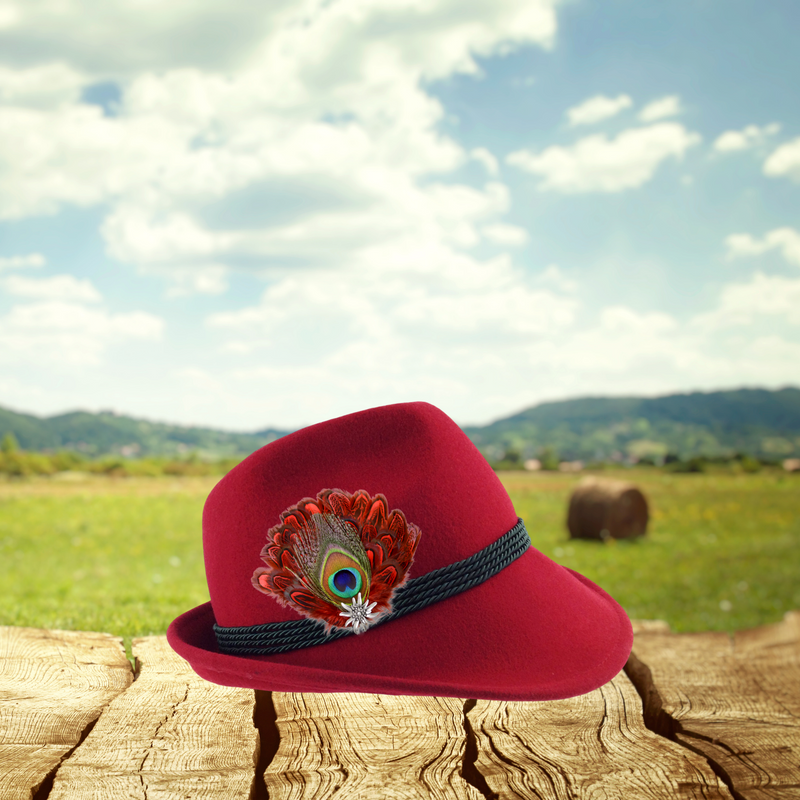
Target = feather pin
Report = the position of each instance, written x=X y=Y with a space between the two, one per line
x=338 y=558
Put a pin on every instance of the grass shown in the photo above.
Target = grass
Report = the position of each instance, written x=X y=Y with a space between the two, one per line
x=117 y=555
x=722 y=551
x=124 y=555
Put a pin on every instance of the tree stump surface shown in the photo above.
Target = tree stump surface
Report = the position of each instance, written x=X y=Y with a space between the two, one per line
x=171 y=735
x=53 y=687
x=592 y=746
x=693 y=716
x=365 y=746
x=735 y=700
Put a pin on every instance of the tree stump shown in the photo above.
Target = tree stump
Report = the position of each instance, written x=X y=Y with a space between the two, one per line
x=367 y=746
x=171 y=735
x=601 y=508
x=733 y=700
x=588 y=747
x=718 y=719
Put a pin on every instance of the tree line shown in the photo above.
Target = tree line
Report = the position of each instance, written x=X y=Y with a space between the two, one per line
x=18 y=463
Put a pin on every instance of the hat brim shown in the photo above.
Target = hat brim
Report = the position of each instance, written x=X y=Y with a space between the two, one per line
x=534 y=631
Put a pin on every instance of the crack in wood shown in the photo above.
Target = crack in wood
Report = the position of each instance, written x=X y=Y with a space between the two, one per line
x=368 y=745
x=269 y=739
x=719 y=771
x=665 y=725
x=583 y=748
x=154 y=738
x=54 y=685
x=655 y=718
x=469 y=770
x=45 y=787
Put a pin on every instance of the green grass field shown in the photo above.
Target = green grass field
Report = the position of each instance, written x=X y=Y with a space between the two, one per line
x=125 y=555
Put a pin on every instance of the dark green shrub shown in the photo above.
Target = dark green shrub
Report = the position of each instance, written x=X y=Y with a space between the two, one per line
x=549 y=458
x=694 y=464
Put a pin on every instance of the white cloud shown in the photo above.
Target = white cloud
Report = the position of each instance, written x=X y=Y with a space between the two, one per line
x=425 y=285
x=486 y=158
x=140 y=235
x=304 y=146
x=663 y=107
x=73 y=154
x=598 y=108
x=59 y=333
x=740 y=304
x=9 y=16
x=744 y=139
x=65 y=288
x=626 y=350
x=787 y=240
x=387 y=310
x=597 y=164
x=34 y=260
x=373 y=325
x=121 y=37
x=43 y=86
x=766 y=357
x=785 y=161
x=619 y=319
x=607 y=353
x=734 y=140
x=499 y=309
x=511 y=235
x=198 y=279
x=323 y=103
x=519 y=340
x=553 y=276
x=380 y=206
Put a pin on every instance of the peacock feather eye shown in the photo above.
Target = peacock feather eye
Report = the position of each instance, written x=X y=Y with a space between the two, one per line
x=345 y=582
x=343 y=577
x=338 y=558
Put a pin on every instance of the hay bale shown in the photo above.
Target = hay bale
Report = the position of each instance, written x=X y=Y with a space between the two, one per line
x=601 y=508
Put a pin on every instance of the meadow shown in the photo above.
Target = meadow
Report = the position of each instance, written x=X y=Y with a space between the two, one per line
x=124 y=555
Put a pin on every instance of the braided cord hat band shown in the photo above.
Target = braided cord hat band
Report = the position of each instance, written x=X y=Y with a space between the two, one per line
x=416 y=593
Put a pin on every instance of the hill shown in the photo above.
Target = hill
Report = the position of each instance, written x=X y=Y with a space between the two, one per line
x=759 y=422
x=756 y=421
x=108 y=432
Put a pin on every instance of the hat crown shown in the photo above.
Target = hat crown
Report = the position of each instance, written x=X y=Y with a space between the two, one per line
x=412 y=453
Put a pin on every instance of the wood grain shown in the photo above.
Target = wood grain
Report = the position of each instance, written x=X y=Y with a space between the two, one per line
x=53 y=686
x=590 y=747
x=734 y=699
x=171 y=735
x=368 y=746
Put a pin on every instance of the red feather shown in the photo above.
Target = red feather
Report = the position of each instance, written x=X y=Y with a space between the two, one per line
x=389 y=542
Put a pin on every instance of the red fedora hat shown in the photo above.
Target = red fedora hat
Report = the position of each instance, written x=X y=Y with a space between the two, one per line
x=378 y=552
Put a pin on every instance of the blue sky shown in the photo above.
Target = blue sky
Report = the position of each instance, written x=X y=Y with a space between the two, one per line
x=212 y=213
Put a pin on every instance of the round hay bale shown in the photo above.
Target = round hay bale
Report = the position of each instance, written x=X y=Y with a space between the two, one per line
x=601 y=508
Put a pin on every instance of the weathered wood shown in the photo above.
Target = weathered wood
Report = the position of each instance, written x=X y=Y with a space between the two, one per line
x=735 y=699
x=711 y=701
x=53 y=686
x=171 y=735
x=368 y=746
x=649 y=626
x=592 y=746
